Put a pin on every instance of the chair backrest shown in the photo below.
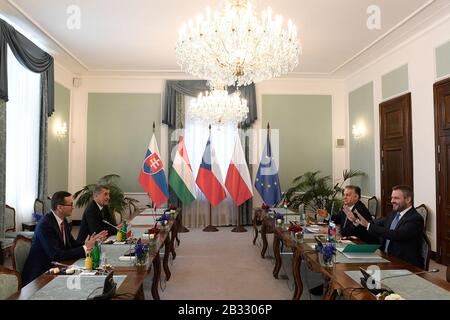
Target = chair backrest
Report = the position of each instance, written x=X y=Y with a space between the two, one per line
x=20 y=250
x=423 y=211
x=117 y=217
x=10 y=218
x=372 y=205
x=426 y=251
x=10 y=282
x=39 y=206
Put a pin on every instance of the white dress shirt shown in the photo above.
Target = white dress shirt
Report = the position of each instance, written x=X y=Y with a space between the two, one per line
x=402 y=213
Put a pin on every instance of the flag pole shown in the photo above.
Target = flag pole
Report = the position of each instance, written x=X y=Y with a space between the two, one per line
x=238 y=227
x=210 y=227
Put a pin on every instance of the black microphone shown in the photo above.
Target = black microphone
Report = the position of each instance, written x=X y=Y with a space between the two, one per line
x=110 y=224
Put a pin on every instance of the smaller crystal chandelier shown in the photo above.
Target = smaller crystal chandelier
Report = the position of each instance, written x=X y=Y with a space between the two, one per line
x=218 y=107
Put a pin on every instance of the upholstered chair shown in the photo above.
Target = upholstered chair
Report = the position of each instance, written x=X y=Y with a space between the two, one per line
x=10 y=282
x=20 y=250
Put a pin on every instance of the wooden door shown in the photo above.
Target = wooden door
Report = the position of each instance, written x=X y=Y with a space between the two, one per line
x=396 y=147
x=442 y=135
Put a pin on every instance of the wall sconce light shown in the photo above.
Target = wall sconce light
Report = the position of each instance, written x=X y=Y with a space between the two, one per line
x=61 y=130
x=358 y=131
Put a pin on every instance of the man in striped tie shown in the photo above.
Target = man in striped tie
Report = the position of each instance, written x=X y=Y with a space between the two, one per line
x=402 y=230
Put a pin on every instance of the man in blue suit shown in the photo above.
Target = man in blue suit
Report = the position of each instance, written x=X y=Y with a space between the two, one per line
x=402 y=230
x=52 y=240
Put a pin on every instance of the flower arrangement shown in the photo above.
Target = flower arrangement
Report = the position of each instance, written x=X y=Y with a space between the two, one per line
x=327 y=252
x=164 y=219
x=37 y=216
x=154 y=231
x=265 y=206
x=141 y=252
x=278 y=216
x=173 y=207
x=295 y=228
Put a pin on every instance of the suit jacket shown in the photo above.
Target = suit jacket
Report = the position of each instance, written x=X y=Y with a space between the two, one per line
x=406 y=238
x=92 y=221
x=47 y=246
x=349 y=229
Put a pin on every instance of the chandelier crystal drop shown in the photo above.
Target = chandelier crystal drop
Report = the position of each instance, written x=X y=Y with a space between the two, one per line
x=236 y=47
x=218 y=107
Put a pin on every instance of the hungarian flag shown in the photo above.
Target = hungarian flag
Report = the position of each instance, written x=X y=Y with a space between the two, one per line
x=238 y=180
x=209 y=178
x=181 y=178
x=152 y=177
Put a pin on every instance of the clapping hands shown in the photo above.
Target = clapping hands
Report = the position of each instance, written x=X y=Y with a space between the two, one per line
x=90 y=240
x=350 y=215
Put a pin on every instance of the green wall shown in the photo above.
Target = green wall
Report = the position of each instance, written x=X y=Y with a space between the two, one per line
x=395 y=82
x=305 y=133
x=118 y=133
x=58 y=147
x=362 y=157
x=443 y=60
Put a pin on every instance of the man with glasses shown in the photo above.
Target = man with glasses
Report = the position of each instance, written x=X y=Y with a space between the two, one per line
x=96 y=212
x=52 y=240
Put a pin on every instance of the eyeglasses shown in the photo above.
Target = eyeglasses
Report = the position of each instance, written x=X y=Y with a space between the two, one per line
x=68 y=205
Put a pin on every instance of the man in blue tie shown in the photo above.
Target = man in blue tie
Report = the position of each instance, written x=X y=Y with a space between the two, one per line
x=402 y=230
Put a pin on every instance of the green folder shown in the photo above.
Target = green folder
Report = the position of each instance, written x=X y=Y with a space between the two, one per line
x=361 y=248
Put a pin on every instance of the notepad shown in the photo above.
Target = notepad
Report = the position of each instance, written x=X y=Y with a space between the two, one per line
x=360 y=248
x=127 y=258
x=362 y=255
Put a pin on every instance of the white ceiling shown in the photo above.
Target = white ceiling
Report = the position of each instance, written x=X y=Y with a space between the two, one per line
x=139 y=35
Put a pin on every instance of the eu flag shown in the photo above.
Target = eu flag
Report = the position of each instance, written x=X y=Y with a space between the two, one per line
x=267 y=182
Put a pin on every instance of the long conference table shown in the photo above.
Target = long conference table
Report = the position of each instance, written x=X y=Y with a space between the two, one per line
x=342 y=277
x=132 y=277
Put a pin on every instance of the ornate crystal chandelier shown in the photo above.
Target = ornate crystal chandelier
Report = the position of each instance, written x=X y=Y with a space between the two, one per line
x=218 y=107
x=237 y=48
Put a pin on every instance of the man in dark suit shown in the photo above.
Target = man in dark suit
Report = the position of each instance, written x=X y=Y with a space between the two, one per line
x=52 y=240
x=347 y=216
x=95 y=213
x=402 y=229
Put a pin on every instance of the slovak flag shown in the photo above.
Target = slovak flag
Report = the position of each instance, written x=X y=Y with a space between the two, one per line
x=152 y=177
x=238 y=180
x=209 y=178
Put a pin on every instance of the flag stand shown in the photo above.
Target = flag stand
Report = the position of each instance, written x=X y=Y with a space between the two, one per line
x=183 y=229
x=239 y=228
x=210 y=227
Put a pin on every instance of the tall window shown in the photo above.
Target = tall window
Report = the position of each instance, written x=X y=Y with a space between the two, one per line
x=22 y=139
x=223 y=138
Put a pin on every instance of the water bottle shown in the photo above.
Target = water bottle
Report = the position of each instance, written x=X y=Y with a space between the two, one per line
x=95 y=255
x=301 y=210
x=124 y=230
x=331 y=232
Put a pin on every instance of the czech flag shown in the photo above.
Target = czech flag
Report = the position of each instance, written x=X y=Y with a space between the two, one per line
x=152 y=177
x=209 y=178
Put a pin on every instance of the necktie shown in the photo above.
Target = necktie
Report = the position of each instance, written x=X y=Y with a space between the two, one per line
x=393 y=225
x=62 y=232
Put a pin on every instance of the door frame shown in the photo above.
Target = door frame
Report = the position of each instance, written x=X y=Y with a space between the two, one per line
x=386 y=193
x=439 y=213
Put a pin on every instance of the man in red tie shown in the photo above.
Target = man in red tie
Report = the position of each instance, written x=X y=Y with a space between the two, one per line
x=52 y=240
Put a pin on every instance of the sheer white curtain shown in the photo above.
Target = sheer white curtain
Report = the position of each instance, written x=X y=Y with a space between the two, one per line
x=22 y=139
x=222 y=138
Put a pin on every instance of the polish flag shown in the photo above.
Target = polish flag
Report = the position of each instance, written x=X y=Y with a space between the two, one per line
x=238 y=182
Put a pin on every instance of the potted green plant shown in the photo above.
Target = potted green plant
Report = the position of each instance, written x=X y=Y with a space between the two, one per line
x=118 y=202
x=317 y=192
